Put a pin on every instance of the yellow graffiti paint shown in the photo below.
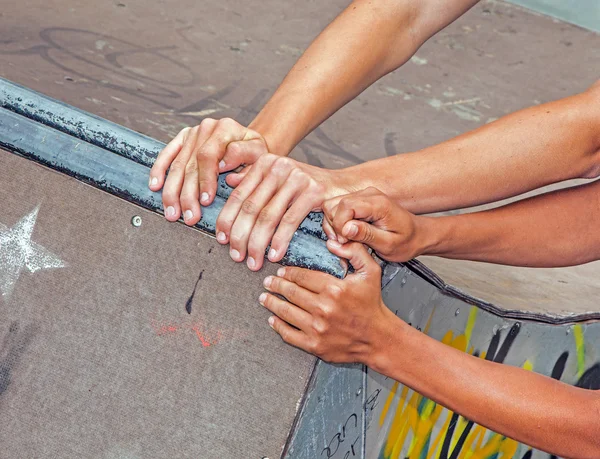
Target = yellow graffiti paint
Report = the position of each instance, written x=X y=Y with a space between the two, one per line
x=470 y=323
x=388 y=402
x=411 y=432
x=580 y=349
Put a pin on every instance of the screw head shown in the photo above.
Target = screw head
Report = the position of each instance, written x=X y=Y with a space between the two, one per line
x=136 y=221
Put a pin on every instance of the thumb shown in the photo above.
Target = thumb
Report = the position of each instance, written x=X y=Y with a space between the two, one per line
x=367 y=233
x=242 y=152
x=357 y=254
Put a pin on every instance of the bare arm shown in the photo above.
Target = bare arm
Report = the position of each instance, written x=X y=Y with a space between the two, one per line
x=531 y=408
x=520 y=152
x=366 y=41
x=347 y=321
x=550 y=230
x=560 y=228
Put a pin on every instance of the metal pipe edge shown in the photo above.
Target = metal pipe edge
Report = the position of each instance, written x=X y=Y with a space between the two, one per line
x=128 y=179
x=106 y=135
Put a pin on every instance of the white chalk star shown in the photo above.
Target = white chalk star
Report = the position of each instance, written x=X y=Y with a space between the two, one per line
x=18 y=251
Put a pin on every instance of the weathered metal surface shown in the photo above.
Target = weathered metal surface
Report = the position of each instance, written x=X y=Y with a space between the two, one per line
x=402 y=423
x=331 y=422
x=105 y=134
x=129 y=180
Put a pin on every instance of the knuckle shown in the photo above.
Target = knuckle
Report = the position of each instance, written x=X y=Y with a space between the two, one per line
x=236 y=196
x=249 y=207
x=284 y=333
x=207 y=123
x=279 y=241
x=227 y=122
x=314 y=347
x=334 y=291
x=299 y=275
x=191 y=167
x=298 y=174
x=235 y=240
x=265 y=217
x=289 y=219
x=367 y=233
x=321 y=327
x=290 y=291
x=177 y=165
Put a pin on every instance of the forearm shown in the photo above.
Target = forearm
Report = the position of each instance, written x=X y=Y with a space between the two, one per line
x=366 y=41
x=554 y=229
x=520 y=152
x=528 y=407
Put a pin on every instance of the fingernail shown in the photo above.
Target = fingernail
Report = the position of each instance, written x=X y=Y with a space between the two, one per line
x=170 y=212
x=154 y=181
x=352 y=230
x=281 y=272
x=221 y=236
x=204 y=197
x=234 y=254
x=334 y=244
x=221 y=164
x=331 y=237
x=272 y=254
x=268 y=281
x=271 y=321
x=262 y=298
x=188 y=214
x=251 y=263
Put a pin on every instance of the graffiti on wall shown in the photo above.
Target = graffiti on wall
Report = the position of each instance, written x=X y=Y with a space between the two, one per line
x=416 y=427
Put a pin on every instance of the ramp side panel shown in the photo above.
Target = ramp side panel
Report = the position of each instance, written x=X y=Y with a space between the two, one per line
x=395 y=413
x=100 y=357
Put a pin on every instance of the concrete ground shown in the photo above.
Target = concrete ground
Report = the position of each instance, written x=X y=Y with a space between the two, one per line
x=157 y=67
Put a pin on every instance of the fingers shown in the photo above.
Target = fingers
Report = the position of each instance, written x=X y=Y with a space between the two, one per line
x=268 y=219
x=370 y=205
x=188 y=192
x=243 y=226
x=242 y=152
x=289 y=334
x=358 y=256
x=290 y=222
x=308 y=279
x=234 y=203
x=300 y=296
x=285 y=310
x=328 y=229
x=212 y=151
x=165 y=158
x=174 y=183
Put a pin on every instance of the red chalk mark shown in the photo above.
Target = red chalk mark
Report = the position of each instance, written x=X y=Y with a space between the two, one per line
x=206 y=337
x=200 y=337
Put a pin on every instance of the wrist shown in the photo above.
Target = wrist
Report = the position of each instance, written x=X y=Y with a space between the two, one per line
x=279 y=125
x=390 y=335
x=432 y=235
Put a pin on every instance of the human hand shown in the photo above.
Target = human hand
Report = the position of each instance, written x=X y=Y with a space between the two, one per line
x=268 y=204
x=342 y=321
x=195 y=157
x=371 y=217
